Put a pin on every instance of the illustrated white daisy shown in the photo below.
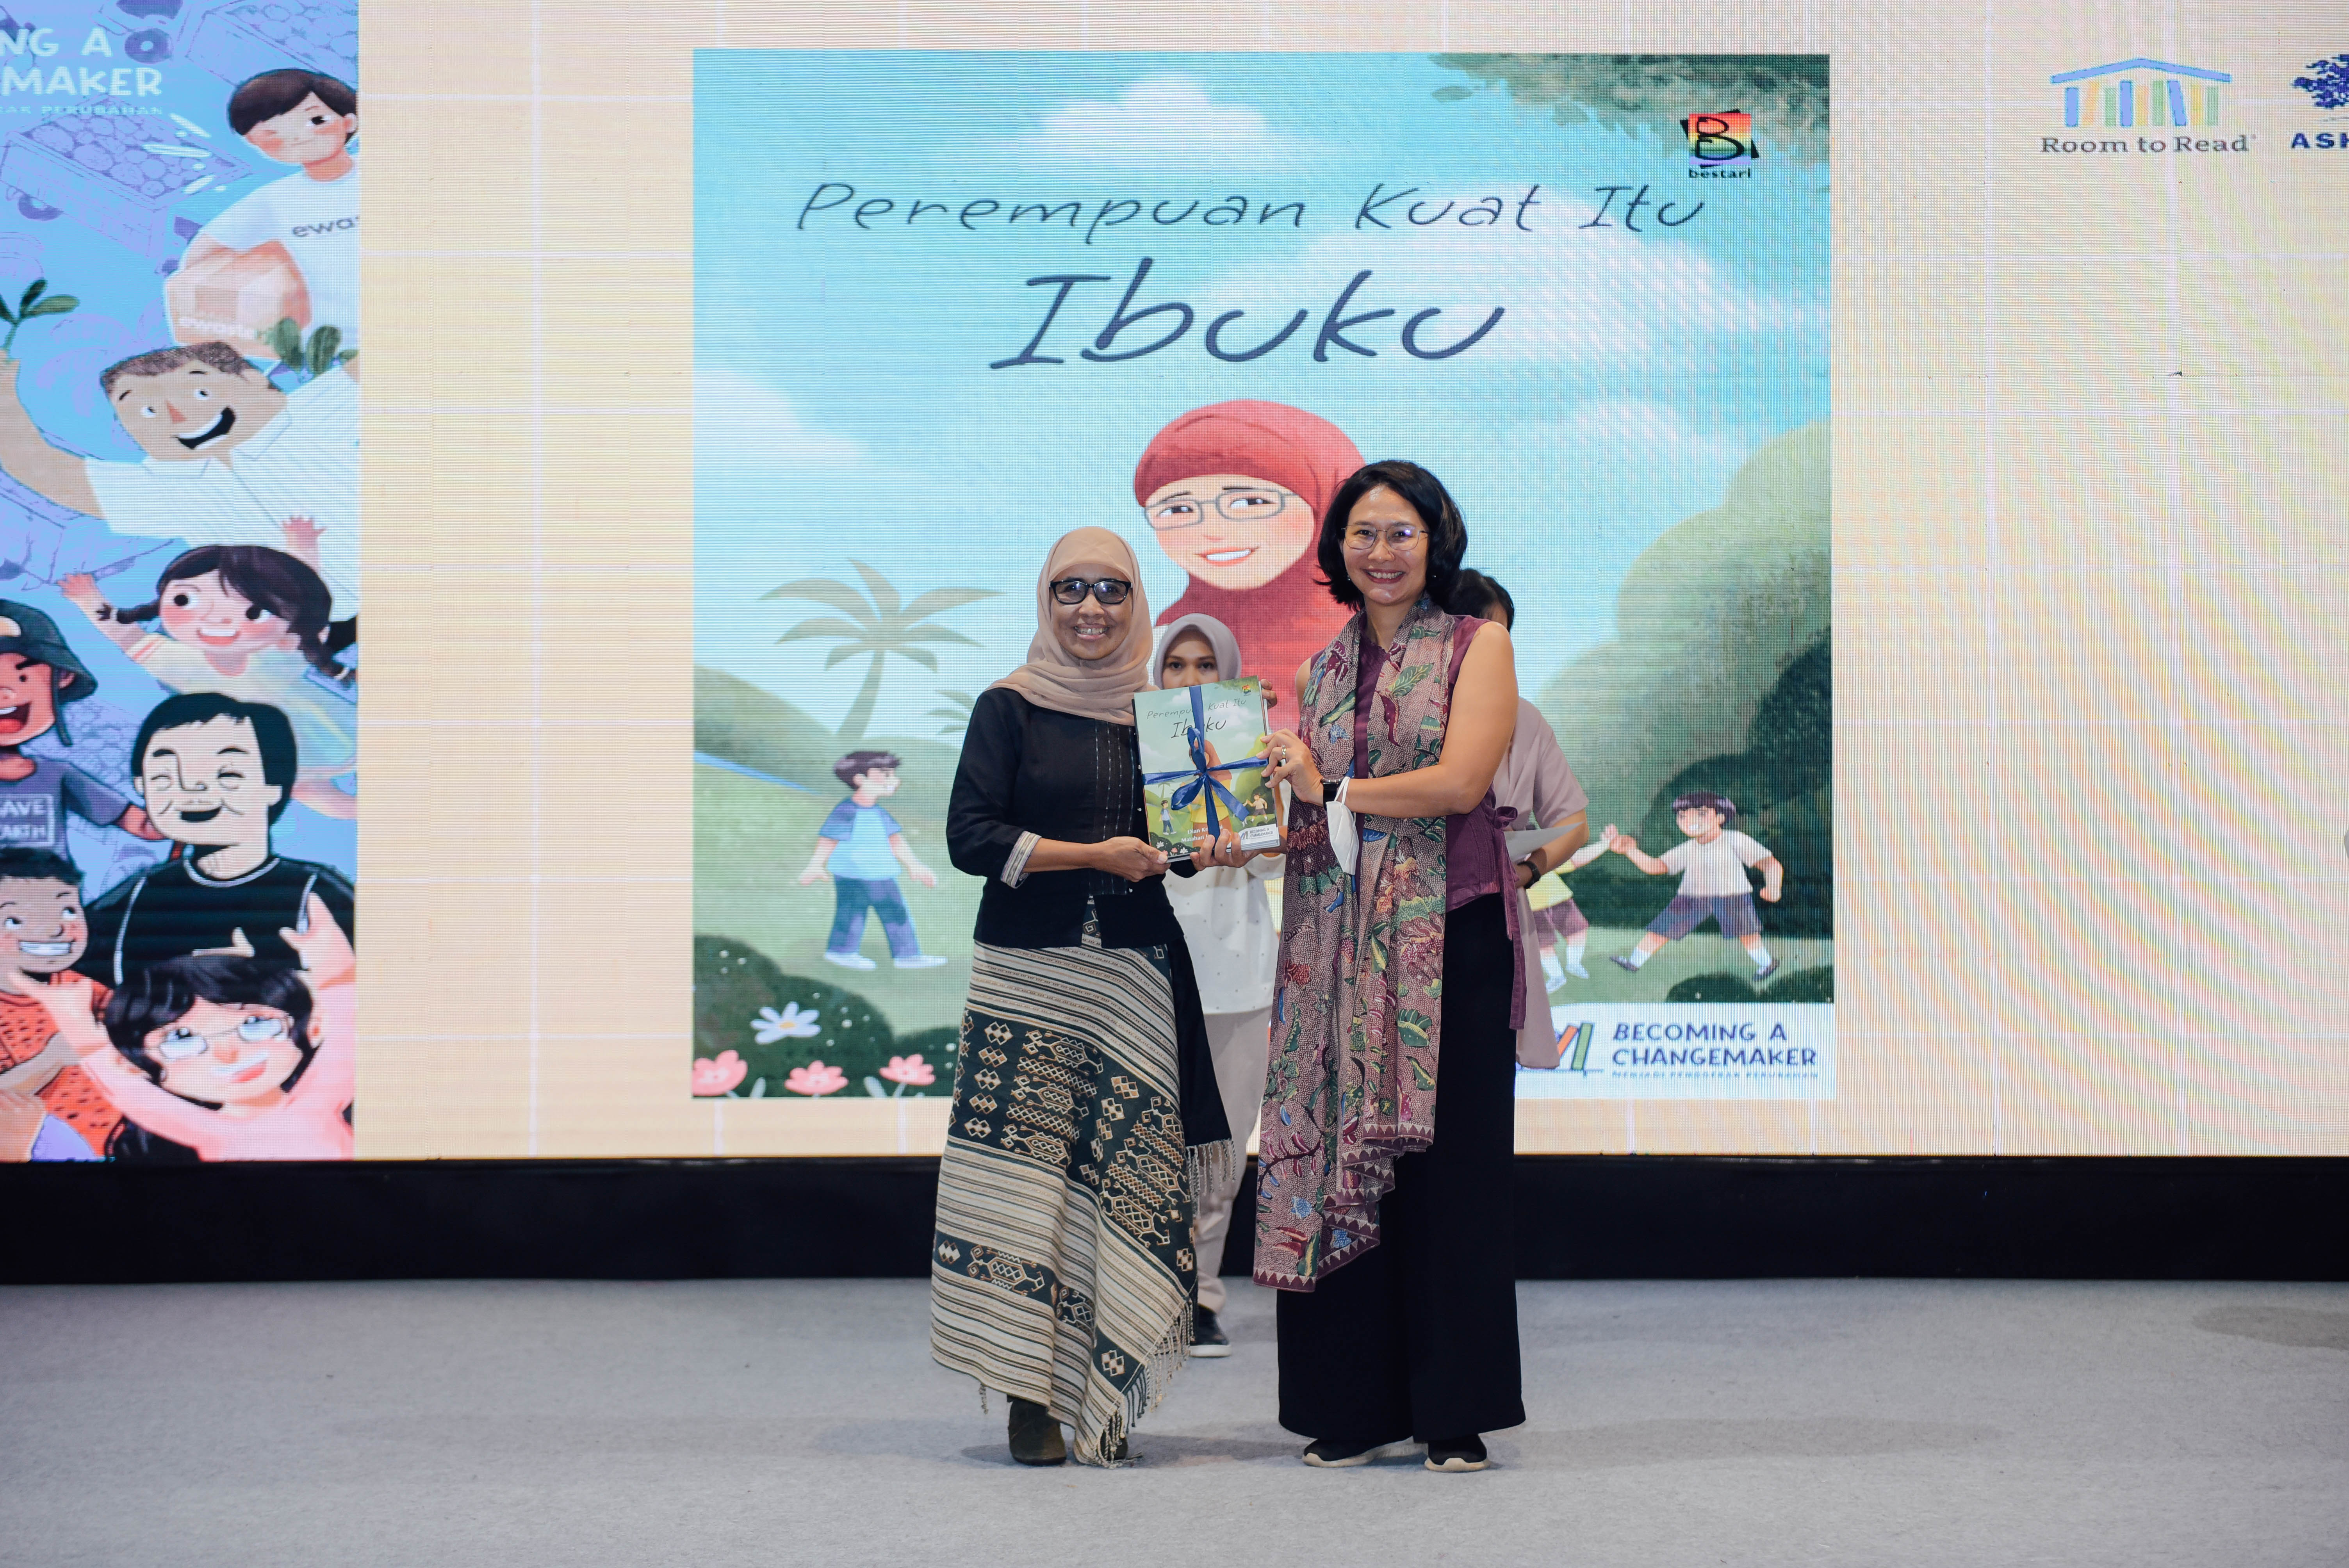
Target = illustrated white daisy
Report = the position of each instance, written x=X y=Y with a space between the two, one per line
x=793 y=1023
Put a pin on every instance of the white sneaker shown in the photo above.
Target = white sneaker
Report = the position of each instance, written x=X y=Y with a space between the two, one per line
x=1554 y=982
x=1577 y=971
x=919 y=961
x=849 y=960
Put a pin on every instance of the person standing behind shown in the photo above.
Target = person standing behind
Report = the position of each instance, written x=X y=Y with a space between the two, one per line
x=1228 y=924
x=1384 y=1221
x=1085 y=1112
x=1538 y=786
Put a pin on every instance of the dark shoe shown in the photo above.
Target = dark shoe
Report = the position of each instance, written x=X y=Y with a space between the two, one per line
x=1324 y=1454
x=1623 y=962
x=1766 y=972
x=1208 y=1335
x=1457 y=1454
x=1035 y=1437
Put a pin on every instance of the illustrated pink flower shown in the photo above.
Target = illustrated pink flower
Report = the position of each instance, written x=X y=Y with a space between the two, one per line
x=910 y=1070
x=717 y=1077
x=816 y=1079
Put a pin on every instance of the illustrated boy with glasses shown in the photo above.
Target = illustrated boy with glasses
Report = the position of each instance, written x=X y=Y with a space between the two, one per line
x=237 y=1058
x=858 y=849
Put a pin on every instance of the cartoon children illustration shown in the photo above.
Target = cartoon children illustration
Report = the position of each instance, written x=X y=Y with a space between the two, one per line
x=1233 y=494
x=57 y=1112
x=39 y=677
x=1557 y=919
x=230 y=459
x=215 y=772
x=1711 y=864
x=858 y=851
x=235 y=1058
x=249 y=623
x=307 y=120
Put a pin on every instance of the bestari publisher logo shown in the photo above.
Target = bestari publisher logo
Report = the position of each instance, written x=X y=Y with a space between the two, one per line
x=1721 y=145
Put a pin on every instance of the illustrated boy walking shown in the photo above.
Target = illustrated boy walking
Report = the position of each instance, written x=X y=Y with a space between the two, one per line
x=858 y=849
x=1712 y=862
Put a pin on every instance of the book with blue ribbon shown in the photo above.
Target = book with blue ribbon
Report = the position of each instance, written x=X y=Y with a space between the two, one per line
x=1203 y=765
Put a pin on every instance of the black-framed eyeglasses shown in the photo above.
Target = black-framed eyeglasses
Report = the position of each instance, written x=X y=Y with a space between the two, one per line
x=1108 y=589
x=1235 y=505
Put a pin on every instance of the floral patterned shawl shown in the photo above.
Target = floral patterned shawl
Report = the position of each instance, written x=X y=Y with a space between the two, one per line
x=1356 y=1018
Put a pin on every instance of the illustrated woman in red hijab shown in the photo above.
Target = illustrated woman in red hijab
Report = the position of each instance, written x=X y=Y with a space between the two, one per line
x=1233 y=494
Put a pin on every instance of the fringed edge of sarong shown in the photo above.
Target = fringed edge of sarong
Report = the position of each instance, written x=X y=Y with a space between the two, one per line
x=1203 y=1162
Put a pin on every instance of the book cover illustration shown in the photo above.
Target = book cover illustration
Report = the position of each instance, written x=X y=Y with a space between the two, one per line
x=1203 y=764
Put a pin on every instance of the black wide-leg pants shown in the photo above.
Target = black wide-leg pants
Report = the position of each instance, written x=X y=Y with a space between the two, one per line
x=1418 y=1338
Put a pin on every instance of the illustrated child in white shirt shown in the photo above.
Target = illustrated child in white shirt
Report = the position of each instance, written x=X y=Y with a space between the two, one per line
x=307 y=120
x=249 y=622
x=1233 y=941
x=1712 y=865
x=858 y=849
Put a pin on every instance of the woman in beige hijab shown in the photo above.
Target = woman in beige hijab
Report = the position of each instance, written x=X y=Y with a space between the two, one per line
x=1085 y=1109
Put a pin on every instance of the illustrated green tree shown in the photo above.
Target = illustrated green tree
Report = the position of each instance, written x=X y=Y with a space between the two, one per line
x=1788 y=94
x=877 y=622
x=956 y=713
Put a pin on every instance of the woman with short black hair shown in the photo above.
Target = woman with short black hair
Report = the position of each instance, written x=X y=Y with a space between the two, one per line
x=1384 y=1223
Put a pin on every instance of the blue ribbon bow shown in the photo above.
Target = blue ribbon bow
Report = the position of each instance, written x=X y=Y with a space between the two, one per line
x=1200 y=778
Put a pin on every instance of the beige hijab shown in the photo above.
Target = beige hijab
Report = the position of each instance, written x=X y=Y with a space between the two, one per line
x=1055 y=678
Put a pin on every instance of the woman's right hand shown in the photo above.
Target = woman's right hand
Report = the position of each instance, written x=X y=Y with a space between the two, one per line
x=1129 y=858
x=1293 y=765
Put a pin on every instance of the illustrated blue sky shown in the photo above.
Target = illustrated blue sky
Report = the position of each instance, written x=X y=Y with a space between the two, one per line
x=845 y=406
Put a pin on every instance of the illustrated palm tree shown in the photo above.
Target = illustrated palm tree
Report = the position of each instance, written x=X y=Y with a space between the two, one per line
x=956 y=713
x=878 y=623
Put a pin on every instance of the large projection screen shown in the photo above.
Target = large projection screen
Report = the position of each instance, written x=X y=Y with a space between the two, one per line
x=1921 y=426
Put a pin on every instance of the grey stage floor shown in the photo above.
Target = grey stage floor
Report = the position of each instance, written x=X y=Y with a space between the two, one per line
x=713 y=1424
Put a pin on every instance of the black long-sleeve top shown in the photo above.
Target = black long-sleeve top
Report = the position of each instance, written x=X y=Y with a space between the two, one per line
x=1032 y=770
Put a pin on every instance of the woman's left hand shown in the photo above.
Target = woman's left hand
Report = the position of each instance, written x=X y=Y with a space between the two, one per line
x=1293 y=765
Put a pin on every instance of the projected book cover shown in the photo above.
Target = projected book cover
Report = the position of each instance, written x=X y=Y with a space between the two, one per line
x=179 y=359
x=950 y=306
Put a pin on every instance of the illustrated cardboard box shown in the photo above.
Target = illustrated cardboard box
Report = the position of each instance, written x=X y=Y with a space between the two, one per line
x=99 y=167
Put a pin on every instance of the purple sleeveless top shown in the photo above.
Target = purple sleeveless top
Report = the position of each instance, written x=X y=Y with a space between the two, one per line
x=1475 y=855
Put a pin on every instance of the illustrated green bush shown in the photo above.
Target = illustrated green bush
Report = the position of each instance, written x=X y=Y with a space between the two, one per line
x=739 y=995
x=1817 y=984
x=1803 y=986
x=1713 y=988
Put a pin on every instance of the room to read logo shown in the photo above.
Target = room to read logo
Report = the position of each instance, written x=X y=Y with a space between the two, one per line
x=2140 y=95
x=2327 y=84
x=1721 y=146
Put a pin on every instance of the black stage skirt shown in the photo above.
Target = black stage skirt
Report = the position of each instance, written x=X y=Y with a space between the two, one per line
x=1418 y=1338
